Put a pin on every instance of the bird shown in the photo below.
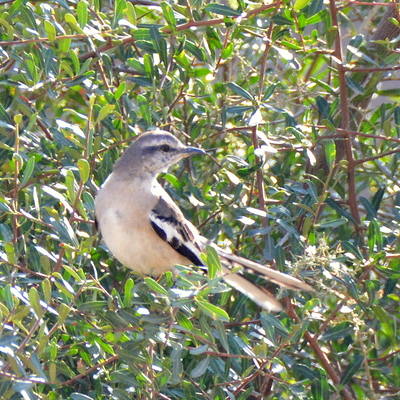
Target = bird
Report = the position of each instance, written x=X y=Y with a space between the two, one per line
x=147 y=232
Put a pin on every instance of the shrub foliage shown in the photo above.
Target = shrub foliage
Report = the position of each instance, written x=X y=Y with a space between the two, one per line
x=295 y=102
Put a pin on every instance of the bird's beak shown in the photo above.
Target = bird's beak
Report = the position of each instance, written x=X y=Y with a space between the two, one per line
x=192 y=151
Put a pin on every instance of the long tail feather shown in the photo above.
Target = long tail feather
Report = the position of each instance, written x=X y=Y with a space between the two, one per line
x=254 y=293
x=230 y=260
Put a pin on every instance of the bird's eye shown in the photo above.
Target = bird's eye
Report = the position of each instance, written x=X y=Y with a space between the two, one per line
x=165 y=148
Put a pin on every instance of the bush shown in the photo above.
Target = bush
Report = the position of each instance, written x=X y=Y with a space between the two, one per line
x=303 y=176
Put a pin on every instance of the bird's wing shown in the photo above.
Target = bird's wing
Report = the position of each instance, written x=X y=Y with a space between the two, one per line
x=171 y=226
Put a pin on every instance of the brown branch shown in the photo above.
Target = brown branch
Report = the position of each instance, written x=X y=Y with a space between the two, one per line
x=388 y=153
x=345 y=117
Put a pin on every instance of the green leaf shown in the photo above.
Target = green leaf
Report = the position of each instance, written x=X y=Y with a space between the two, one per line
x=281 y=20
x=323 y=84
x=352 y=368
x=71 y=186
x=245 y=172
x=71 y=20
x=213 y=262
x=377 y=198
x=330 y=152
x=222 y=10
x=200 y=368
x=269 y=91
x=351 y=248
x=79 y=396
x=212 y=311
x=338 y=332
x=105 y=111
x=144 y=108
x=159 y=43
x=397 y=120
x=320 y=388
x=82 y=10
x=336 y=206
x=375 y=237
x=120 y=8
x=195 y=50
x=50 y=30
x=288 y=227
x=120 y=91
x=84 y=169
x=269 y=248
x=63 y=313
x=268 y=319
x=128 y=294
x=354 y=86
x=228 y=50
x=34 y=300
x=155 y=286
x=222 y=336
x=169 y=15
x=91 y=306
x=29 y=167
x=136 y=65
x=315 y=7
x=240 y=91
x=305 y=371
x=300 y=4
x=369 y=208
x=332 y=224
x=46 y=289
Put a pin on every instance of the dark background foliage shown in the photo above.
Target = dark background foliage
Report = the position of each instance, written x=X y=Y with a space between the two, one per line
x=296 y=105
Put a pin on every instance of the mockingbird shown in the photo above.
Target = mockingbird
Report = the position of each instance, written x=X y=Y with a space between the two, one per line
x=147 y=232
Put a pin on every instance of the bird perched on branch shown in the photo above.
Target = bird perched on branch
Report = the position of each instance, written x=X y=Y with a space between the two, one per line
x=147 y=232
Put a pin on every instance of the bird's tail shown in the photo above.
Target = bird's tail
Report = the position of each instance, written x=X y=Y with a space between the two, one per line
x=260 y=296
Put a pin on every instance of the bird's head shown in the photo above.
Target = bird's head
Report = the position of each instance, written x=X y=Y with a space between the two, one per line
x=153 y=152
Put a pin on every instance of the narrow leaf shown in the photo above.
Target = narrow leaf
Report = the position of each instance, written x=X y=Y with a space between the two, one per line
x=222 y=10
x=82 y=10
x=330 y=152
x=338 y=332
x=240 y=91
x=351 y=248
x=50 y=30
x=337 y=207
x=168 y=14
x=200 y=368
x=300 y=4
x=84 y=169
x=153 y=285
x=369 y=208
x=212 y=311
x=213 y=262
x=105 y=111
x=29 y=166
x=351 y=369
